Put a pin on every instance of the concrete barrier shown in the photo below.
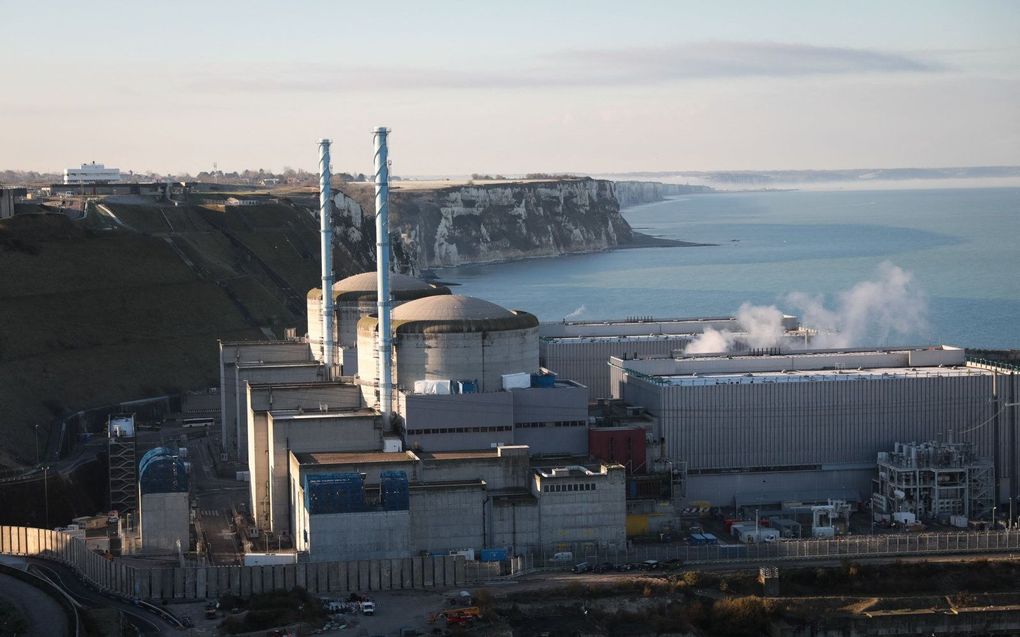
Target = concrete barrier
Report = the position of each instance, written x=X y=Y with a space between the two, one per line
x=181 y=583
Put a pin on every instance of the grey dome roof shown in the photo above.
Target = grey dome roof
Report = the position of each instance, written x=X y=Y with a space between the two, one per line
x=453 y=307
x=453 y=313
x=363 y=287
x=366 y=282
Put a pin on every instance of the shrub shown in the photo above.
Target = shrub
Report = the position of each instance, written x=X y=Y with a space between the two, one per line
x=740 y=616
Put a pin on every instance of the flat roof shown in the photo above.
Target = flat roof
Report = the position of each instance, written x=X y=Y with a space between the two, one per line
x=569 y=471
x=649 y=319
x=343 y=381
x=257 y=364
x=450 y=484
x=819 y=375
x=440 y=456
x=351 y=457
x=622 y=338
x=361 y=412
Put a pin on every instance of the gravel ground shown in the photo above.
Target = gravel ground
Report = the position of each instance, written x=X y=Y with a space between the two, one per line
x=395 y=610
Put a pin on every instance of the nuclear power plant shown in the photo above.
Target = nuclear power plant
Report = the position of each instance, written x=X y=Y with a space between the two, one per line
x=412 y=420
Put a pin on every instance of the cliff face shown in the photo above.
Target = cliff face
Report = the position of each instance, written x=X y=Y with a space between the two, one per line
x=633 y=193
x=497 y=222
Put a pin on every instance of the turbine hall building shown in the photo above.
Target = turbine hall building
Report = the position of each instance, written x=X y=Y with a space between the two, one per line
x=808 y=425
x=580 y=350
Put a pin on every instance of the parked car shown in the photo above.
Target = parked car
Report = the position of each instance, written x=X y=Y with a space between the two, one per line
x=582 y=567
x=650 y=565
x=604 y=567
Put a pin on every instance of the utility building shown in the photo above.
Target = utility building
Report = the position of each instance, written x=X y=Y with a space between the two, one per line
x=933 y=480
x=91 y=174
x=164 y=516
x=353 y=505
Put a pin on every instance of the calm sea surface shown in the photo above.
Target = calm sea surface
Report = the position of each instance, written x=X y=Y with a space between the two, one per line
x=962 y=247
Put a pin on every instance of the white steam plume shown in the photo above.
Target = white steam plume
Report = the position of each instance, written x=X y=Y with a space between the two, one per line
x=870 y=311
x=761 y=327
x=874 y=311
x=576 y=313
x=711 y=341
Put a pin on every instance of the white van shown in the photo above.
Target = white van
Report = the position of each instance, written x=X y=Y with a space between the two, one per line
x=565 y=556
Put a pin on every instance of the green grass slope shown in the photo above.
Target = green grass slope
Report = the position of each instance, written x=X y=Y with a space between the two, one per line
x=95 y=313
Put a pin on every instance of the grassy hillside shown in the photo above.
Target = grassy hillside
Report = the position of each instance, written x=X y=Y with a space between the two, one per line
x=96 y=312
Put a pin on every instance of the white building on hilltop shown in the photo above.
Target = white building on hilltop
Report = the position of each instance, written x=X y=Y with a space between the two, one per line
x=91 y=174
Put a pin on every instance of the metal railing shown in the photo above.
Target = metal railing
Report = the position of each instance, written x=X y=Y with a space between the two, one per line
x=839 y=548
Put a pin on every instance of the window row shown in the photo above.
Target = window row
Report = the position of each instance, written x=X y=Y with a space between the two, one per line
x=457 y=430
x=558 y=423
x=575 y=486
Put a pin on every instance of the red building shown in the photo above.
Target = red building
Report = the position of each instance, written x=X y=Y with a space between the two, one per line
x=624 y=445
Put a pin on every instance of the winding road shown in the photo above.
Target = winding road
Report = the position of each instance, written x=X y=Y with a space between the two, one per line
x=45 y=616
x=146 y=623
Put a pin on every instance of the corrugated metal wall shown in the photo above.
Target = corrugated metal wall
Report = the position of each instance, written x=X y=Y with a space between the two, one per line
x=587 y=362
x=789 y=424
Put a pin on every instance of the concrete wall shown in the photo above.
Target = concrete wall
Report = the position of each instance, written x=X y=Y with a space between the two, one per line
x=597 y=516
x=285 y=397
x=312 y=432
x=163 y=520
x=447 y=423
x=513 y=523
x=481 y=356
x=232 y=392
x=210 y=582
x=563 y=413
x=258 y=467
x=372 y=535
x=444 y=518
x=459 y=422
x=510 y=471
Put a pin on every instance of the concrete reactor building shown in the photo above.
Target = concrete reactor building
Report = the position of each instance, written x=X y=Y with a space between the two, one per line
x=353 y=299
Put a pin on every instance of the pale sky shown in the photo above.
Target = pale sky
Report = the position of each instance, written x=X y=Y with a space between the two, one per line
x=510 y=87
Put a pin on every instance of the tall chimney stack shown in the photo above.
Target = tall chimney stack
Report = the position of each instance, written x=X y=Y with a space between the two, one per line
x=382 y=251
x=326 y=250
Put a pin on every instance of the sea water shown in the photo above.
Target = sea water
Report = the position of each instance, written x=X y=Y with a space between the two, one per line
x=961 y=246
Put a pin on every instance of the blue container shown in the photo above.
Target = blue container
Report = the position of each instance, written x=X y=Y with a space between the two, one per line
x=492 y=555
x=327 y=493
x=543 y=380
x=466 y=387
x=393 y=491
x=698 y=539
x=709 y=538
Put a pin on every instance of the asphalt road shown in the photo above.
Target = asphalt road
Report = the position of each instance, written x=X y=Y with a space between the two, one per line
x=45 y=615
x=145 y=622
x=214 y=497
